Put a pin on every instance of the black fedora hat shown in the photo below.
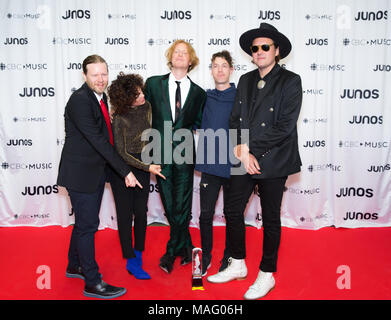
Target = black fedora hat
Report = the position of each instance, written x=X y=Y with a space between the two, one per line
x=265 y=30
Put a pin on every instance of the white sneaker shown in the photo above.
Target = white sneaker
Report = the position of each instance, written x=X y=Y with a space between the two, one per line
x=236 y=270
x=262 y=285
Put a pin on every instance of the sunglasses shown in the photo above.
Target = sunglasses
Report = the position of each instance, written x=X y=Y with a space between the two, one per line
x=264 y=47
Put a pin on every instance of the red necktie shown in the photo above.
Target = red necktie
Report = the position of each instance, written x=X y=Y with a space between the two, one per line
x=107 y=119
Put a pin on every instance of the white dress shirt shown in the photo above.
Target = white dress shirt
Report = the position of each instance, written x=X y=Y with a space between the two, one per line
x=185 y=87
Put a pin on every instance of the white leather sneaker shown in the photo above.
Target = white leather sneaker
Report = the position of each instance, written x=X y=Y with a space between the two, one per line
x=236 y=270
x=262 y=285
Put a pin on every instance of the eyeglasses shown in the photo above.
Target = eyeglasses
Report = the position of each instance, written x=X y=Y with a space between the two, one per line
x=265 y=47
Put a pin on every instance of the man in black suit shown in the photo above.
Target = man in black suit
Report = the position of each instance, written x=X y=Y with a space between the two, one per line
x=86 y=162
x=267 y=106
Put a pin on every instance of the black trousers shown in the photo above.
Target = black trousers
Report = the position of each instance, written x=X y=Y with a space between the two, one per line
x=86 y=207
x=131 y=203
x=270 y=192
x=210 y=186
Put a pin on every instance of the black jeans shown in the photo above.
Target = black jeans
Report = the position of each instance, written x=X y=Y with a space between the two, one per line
x=210 y=186
x=270 y=192
x=131 y=203
x=81 y=252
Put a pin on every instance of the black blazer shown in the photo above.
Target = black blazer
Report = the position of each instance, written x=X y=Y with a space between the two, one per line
x=87 y=149
x=270 y=115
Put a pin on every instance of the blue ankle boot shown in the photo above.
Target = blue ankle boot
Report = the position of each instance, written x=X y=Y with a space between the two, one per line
x=135 y=269
x=139 y=255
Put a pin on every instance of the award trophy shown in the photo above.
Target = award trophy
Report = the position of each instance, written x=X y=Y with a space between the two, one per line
x=197 y=269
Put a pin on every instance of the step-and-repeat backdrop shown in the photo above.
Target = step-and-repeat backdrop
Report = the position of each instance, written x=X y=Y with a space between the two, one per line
x=341 y=49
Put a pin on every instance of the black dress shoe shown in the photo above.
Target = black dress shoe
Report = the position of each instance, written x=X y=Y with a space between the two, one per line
x=74 y=273
x=187 y=256
x=167 y=263
x=103 y=291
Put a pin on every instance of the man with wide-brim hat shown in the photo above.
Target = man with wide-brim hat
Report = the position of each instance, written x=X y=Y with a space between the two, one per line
x=265 y=113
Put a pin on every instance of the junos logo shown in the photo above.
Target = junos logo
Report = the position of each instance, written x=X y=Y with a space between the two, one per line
x=39 y=190
x=373 y=168
x=37 y=92
x=317 y=42
x=176 y=15
x=16 y=41
x=355 y=192
x=382 y=67
x=269 y=15
x=117 y=41
x=219 y=41
x=77 y=14
x=20 y=142
x=352 y=215
x=359 y=119
x=371 y=15
x=314 y=144
x=360 y=94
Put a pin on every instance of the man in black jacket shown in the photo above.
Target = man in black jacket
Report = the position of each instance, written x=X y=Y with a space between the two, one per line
x=267 y=106
x=87 y=158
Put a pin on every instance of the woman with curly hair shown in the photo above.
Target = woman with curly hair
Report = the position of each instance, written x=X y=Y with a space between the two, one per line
x=131 y=116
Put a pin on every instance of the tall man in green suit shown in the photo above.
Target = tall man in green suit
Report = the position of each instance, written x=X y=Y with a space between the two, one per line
x=177 y=106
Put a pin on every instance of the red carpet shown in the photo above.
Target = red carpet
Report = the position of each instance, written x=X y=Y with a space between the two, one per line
x=307 y=265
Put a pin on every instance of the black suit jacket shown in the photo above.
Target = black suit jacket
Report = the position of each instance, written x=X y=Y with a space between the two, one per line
x=87 y=149
x=270 y=115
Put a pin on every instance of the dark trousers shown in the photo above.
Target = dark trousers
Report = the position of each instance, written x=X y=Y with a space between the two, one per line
x=176 y=193
x=210 y=186
x=81 y=252
x=270 y=192
x=131 y=203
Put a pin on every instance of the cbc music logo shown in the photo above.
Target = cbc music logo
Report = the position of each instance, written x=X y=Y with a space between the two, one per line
x=322 y=216
x=237 y=67
x=327 y=67
x=305 y=192
x=219 y=42
x=16 y=41
x=315 y=120
x=176 y=15
x=324 y=167
x=127 y=66
x=167 y=42
x=37 y=92
x=70 y=41
x=382 y=67
x=317 y=42
x=128 y=16
x=39 y=190
x=76 y=14
x=360 y=94
x=354 y=192
x=22 y=66
x=117 y=41
x=27 y=166
x=318 y=16
x=314 y=92
x=360 y=119
x=371 y=15
x=31 y=16
x=269 y=15
x=366 y=42
x=32 y=216
x=381 y=168
x=29 y=119
x=223 y=17
x=363 y=144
